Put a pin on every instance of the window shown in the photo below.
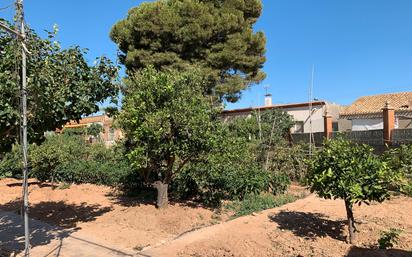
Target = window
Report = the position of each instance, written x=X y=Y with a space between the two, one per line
x=299 y=127
x=335 y=126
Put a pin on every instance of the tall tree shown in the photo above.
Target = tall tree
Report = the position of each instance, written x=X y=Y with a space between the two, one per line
x=215 y=35
x=61 y=86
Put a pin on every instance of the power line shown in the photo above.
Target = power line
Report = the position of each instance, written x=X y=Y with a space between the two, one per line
x=6 y=7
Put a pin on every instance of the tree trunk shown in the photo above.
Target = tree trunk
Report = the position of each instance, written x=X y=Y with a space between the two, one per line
x=162 y=197
x=351 y=222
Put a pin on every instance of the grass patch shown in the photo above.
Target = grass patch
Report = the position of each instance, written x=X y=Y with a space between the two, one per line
x=64 y=186
x=254 y=203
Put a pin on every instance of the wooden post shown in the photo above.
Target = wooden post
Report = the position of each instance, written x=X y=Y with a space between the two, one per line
x=388 y=123
x=327 y=125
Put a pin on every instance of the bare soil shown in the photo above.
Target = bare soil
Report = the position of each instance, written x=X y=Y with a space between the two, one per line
x=308 y=227
x=98 y=211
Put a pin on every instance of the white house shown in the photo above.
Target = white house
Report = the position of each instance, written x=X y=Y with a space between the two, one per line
x=366 y=112
x=299 y=111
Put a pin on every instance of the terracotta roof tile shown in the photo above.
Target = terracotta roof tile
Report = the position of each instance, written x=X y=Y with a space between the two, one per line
x=373 y=104
x=88 y=120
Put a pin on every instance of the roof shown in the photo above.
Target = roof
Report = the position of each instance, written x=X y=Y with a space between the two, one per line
x=87 y=120
x=276 y=106
x=372 y=105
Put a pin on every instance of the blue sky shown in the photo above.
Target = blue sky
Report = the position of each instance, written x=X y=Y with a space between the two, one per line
x=358 y=47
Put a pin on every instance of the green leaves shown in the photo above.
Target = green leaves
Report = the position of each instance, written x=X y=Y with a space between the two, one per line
x=167 y=120
x=61 y=86
x=215 y=36
x=351 y=172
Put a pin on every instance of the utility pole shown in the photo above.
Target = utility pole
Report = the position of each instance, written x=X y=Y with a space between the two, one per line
x=20 y=13
x=20 y=20
x=20 y=34
x=311 y=139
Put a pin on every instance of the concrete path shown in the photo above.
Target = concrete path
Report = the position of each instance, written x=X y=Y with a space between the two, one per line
x=51 y=241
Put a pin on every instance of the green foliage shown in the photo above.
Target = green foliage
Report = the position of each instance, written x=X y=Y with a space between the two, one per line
x=389 y=238
x=228 y=171
x=46 y=160
x=61 y=86
x=267 y=134
x=288 y=160
x=349 y=171
x=11 y=165
x=235 y=166
x=75 y=131
x=94 y=130
x=258 y=202
x=215 y=36
x=278 y=183
x=267 y=128
x=167 y=121
x=69 y=159
x=400 y=159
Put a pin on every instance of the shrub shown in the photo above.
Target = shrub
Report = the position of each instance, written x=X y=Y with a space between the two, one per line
x=57 y=151
x=278 y=183
x=349 y=171
x=87 y=171
x=12 y=165
x=389 y=238
x=288 y=160
x=254 y=203
x=69 y=159
x=75 y=131
x=94 y=130
x=400 y=159
x=229 y=171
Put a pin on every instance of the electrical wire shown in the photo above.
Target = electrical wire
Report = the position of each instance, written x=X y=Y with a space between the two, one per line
x=6 y=7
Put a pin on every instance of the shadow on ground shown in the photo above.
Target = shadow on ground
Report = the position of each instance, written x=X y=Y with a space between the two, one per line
x=59 y=213
x=364 y=252
x=53 y=220
x=148 y=197
x=34 y=183
x=309 y=225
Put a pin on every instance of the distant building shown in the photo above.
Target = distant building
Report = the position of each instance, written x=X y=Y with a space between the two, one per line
x=366 y=112
x=109 y=135
x=299 y=112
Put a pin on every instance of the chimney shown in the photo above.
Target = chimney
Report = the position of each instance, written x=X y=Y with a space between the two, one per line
x=268 y=100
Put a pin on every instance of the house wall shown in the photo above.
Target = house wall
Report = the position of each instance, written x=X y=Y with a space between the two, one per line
x=366 y=124
x=372 y=124
x=345 y=125
x=301 y=114
x=405 y=123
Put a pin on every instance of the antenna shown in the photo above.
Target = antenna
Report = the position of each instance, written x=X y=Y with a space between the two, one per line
x=266 y=87
x=310 y=93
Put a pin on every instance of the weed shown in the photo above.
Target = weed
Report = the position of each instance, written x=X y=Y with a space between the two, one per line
x=64 y=186
x=389 y=238
x=254 y=203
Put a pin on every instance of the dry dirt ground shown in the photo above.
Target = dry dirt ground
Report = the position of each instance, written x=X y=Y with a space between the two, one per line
x=307 y=227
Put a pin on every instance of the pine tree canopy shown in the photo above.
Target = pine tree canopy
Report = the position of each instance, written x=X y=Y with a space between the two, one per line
x=214 y=35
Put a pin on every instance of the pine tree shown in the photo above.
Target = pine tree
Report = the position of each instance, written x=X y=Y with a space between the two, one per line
x=214 y=35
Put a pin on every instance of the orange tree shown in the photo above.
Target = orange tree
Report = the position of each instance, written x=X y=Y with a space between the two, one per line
x=351 y=172
x=168 y=123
